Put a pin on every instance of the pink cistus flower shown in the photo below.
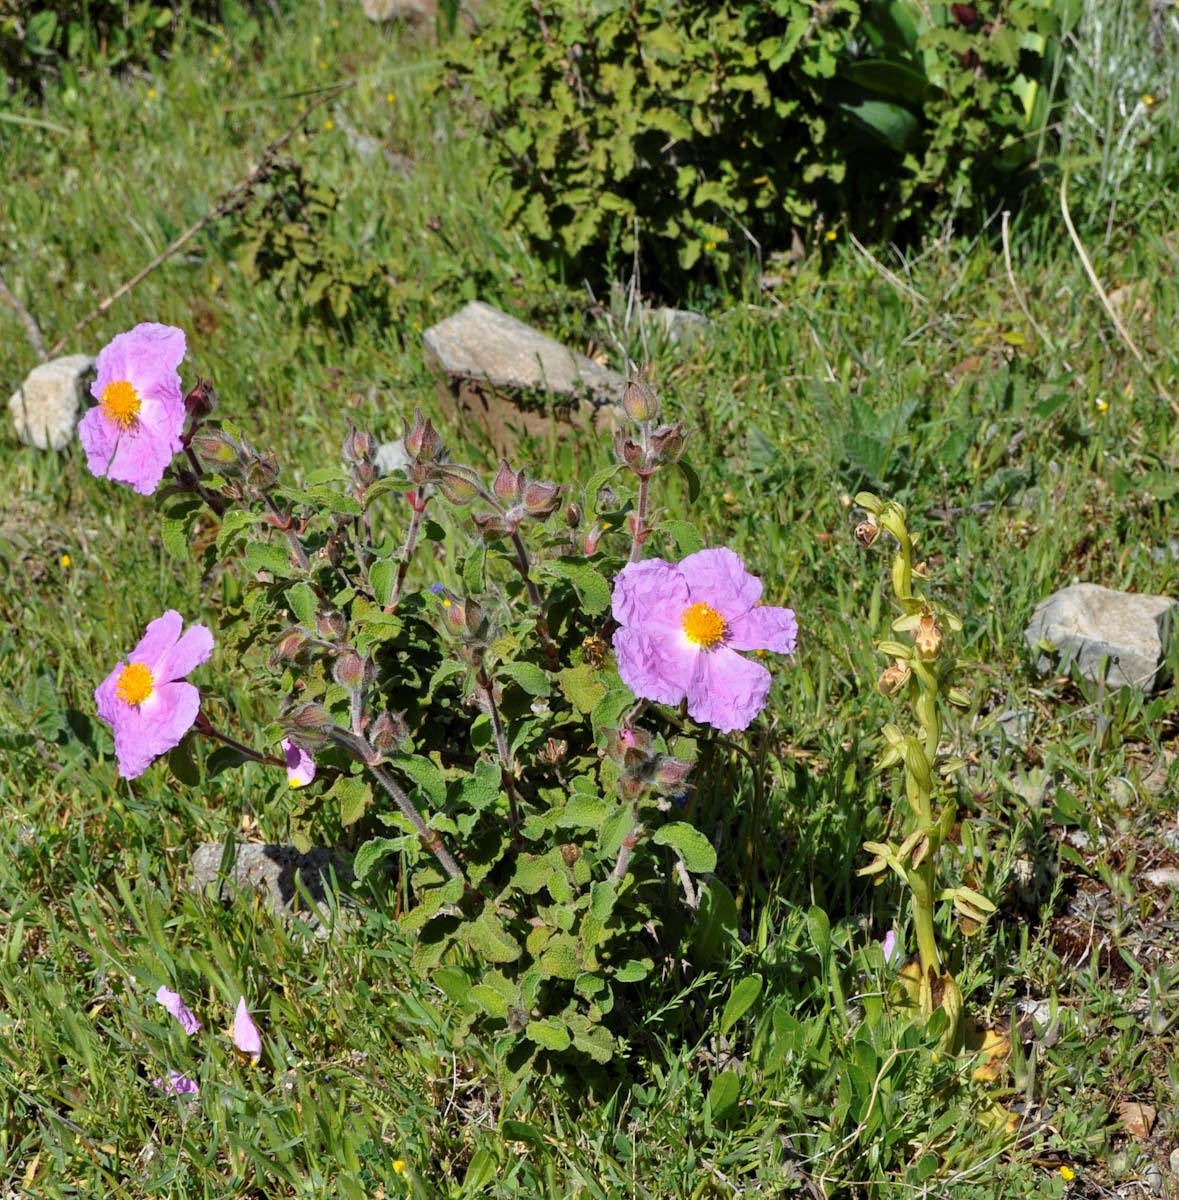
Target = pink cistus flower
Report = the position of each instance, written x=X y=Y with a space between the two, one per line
x=681 y=627
x=300 y=764
x=245 y=1033
x=173 y=1002
x=133 y=431
x=145 y=701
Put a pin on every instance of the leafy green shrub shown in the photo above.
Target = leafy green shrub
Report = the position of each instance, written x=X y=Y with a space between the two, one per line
x=285 y=239
x=39 y=40
x=687 y=130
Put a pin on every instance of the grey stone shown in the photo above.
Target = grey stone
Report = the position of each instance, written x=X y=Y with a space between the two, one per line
x=1163 y=877
x=1086 y=623
x=271 y=871
x=483 y=345
x=392 y=457
x=679 y=326
x=404 y=10
x=1162 y=554
x=45 y=407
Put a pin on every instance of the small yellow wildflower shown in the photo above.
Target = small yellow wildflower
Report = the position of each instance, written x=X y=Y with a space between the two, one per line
x=329 y=124
x=832 y=235
x=1067 y=1174
x=710 y=245
x=66 y=562
x=390 y=97
x=478 y=41
x=399 y=1166
x=1101 y=404
x=216 y=51
x=151 y=93
x=1148 y=100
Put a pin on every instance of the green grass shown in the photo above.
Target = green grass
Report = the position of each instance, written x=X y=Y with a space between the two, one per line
x=917 y=374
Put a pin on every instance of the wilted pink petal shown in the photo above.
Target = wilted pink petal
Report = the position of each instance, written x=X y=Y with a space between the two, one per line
x=245 y=1033
x=300 y=764
x=889 y=946
x=177 y=1084
x=175 y=1005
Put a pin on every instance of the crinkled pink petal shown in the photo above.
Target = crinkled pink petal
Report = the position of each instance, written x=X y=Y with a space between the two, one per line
x=728 y=691
x=655 y=666
x=300 y=764
x=158 y=638
x=177 y=1084
x=146 y=357
x=764 y=628
x=174 y=1003
x=145 y=731
x=648 y=594
x=245 y=1033
x=186 y=655
x=718 y=577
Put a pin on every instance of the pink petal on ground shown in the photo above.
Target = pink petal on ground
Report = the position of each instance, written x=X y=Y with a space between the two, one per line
x=245 y=1033
x=718 y=577
x=173 y=1002
x=764 y=628
x=177 y=1084
x=728 y=691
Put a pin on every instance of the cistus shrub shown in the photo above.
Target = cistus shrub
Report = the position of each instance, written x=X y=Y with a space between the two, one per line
x=684 y=131
x=40 y=41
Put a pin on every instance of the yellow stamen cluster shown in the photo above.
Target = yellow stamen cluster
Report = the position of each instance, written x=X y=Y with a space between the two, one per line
x=135 y=684
x=703 y=625
x=120 y=403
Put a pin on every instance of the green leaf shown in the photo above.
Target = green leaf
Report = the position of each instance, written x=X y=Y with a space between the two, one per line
x=633 y=970
x=819 y=926
x=582 y=686
x=473 y=569
x=487 y=937
x=371 y=853
x=489 y=1000
x=354 y=796
x=724 y=1095
x=588 y=582
x=232 y=524
x=424 y=773
x=381 y=577
x=303 y=602
x=182 y=762
x=691 y=478
x=584 y=812
x=741 y=999
x=269 y=556
x=224 y=758
x=176 y=536
x=687 y=536
x=691 y=845
x=528 y=675
x=560 y=958
x=549 y=1033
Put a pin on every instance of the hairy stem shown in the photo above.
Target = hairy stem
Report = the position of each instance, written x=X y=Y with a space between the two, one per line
x=430 y=838
x=203 y=726
x=636 y=545
x=501 y=745
x=411 y=538
x=542 y=625
x=284 y=524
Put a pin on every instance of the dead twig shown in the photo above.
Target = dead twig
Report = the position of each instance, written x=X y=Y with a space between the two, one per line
x=225 y=203
x=1123 y=332
x=30 y=324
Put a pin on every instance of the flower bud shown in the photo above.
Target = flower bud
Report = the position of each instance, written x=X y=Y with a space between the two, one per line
x=331 y=626
x=927 y=637
x=554 y=751
x=262 y=472
x=507 y=484
x=365 y=474
x=667 y=443
x=453 y=611
x=893 y=679
x=639 y=402
x=589 y=546
x=216 y=448
x=348 y=670
x=573 y=515
x=359 y=447
x=671 y=774
x=307 y=726
x=541 y=499
x=422 y=441
x=627 y=450
x=867 y=532
x=389 y=731
x=290 y=645
x=201 y=400
x=458 y=484
x=490 y=525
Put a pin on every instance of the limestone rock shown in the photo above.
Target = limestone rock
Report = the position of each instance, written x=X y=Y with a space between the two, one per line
x=272 y=871
x=392 y=457
x=679 y=326
x=1086 y=623
x=404 y=10
x=45 y=407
